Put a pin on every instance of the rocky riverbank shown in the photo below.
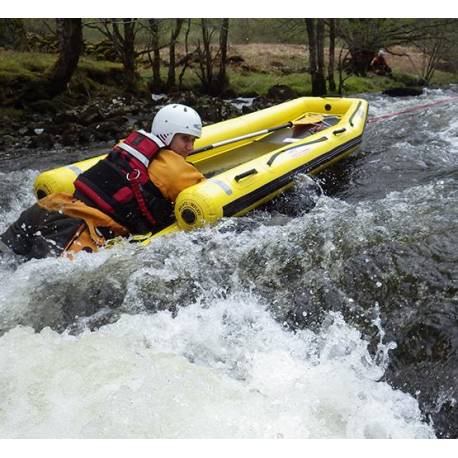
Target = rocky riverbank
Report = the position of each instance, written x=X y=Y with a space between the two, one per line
x=106 y=120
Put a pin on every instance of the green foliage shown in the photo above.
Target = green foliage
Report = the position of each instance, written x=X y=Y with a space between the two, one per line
x=40 y=26
x=23 y=65
x=286 y=31
x=32 y=65
x=444 y=78
x=260 y=83
x=20 y=69
x=12 y=34
x=358 y=84
x=242 y=30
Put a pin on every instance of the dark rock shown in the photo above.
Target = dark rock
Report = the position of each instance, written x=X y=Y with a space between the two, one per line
x=235 y=60
x=104 y=49
x=138 y=124
x=70 y=140
x=8 y=140
x=260 y=103
x=91 y=117
x=66 y=117
x=119 y=112
x=213 y=109
x=185 y=98
x=100 y=136
x=106 y=130
x=71 y=128
x=54 y=128
x=71 y=134
x=247 y=69
x=86 y=136
x=43 y=106
x=228 y=94
x=44 y=141
x=281 y=92
x=403 y=91
x=117 y=123
x=249 y=94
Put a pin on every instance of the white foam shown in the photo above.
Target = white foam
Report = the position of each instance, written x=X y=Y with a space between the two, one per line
x=224 y=371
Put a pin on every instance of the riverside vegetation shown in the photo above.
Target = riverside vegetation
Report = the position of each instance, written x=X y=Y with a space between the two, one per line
x=101 y=102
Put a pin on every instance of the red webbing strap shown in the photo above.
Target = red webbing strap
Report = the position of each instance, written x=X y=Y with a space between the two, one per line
x=89 y=192
x=139 y=198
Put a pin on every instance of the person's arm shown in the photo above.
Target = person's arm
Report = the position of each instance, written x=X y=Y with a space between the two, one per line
x=172 y=174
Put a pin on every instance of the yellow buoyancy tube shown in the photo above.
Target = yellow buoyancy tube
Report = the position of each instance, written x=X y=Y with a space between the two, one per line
x=244 y=187
x=61 y=179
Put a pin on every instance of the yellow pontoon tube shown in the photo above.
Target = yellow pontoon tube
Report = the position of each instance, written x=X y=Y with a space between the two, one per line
x=306 y=135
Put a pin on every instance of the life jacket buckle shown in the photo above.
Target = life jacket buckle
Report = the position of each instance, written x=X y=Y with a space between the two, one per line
x=135 y=177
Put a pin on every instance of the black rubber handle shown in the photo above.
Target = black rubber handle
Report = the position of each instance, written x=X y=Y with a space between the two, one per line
x=339 y=131
x=237 y=178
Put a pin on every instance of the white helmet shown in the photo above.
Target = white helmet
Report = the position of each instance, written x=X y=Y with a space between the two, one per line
x=176 y=119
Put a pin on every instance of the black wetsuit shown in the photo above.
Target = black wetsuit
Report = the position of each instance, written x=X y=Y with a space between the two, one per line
x=39 y=233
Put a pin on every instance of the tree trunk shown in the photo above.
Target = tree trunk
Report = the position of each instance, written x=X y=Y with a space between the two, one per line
x=310 y=23
x=124 y=44
x=332 y=51
x=129 y=51
x=171 y=79
x=343 y=56
x=187 y=57
x=223 y=40
x=320 y=79
x=156 y=63
x=70 y=47
x=206 y=59
x=360 y=61
x=213 y=83
x=316 y=52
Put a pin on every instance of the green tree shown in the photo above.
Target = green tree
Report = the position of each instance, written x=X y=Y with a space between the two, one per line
x=122 y=33
x=70 y=36
x=364 y=37
x=436 y=48
x=171 y=79
x=12 y=34
x=212 y=57
x=155 y=61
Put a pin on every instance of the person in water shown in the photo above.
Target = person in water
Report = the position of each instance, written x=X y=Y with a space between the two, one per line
x=131 y=191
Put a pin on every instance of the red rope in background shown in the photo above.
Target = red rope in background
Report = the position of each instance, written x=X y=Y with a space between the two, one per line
x=409 y=110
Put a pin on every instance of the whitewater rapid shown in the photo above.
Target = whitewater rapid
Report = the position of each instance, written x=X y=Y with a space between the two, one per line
x=222 y=371
x=271 y=326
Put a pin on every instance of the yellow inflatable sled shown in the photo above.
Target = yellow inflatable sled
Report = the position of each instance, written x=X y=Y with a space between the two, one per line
x=250 y=159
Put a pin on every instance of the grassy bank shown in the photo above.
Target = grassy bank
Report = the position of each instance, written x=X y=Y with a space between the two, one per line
x=263 y=67
x=92 y=78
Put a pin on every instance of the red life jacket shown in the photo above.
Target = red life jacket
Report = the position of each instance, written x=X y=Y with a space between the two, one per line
x=119 y=185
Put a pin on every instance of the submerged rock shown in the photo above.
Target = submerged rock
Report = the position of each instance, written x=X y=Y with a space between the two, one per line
x=281 y=92
x=403 y=91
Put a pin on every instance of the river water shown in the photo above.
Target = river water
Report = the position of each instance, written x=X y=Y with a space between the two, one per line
x=332 y=320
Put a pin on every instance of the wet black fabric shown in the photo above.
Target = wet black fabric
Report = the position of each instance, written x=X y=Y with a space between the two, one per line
x=39 y=233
